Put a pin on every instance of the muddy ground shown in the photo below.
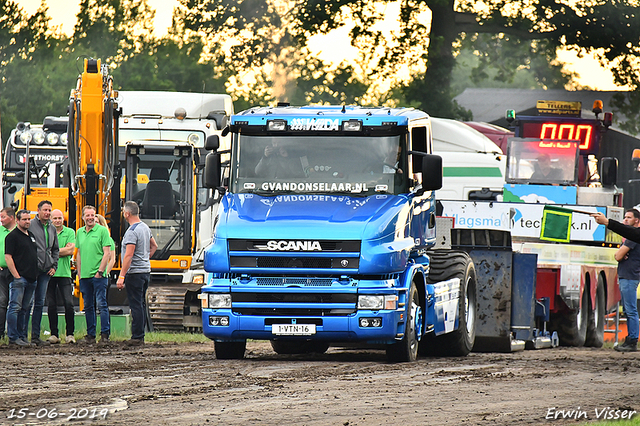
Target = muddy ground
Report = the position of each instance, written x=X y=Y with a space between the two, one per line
x=184 y=384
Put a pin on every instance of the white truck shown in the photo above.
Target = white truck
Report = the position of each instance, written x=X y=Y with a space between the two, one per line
x=576 y=281
x=161 y=148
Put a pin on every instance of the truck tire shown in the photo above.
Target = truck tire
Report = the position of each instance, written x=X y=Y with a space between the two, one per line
x=595 y=322
x=445 y=265
x=230 y=350
x=290 y=347
x=572 y=326
x=406 y=350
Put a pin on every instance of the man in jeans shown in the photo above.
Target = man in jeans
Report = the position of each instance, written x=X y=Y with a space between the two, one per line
x=138 y=246
x=61 y=281
x=8 y=220
x=48 y=251
x=21 y=255
x=628 y=257
x=92 y=258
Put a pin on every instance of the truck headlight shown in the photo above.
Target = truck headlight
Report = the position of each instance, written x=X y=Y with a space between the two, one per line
x=219 y=300
x=377 y=302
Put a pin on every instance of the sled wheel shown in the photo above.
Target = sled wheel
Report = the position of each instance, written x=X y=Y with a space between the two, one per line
x=572 y=326
x=595 y=323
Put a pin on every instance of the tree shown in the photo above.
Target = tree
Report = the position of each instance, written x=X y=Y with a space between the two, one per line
x=112 y=30
x=252 y=39
x=32 y=73
x=500 y=61
x=606 y=27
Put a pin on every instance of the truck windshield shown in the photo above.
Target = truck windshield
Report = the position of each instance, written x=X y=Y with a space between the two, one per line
x=541 y=161
x=318 y=164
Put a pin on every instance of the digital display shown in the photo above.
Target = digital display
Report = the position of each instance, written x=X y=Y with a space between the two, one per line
x=583 y=132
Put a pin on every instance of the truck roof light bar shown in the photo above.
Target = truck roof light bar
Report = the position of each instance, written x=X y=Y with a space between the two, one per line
x=352 y=126
x=277 y=125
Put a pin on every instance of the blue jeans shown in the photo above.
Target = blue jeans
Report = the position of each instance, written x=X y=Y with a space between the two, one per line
x=20 y=298
x=39 y=297
x=5 y=279
x=628 y=290
x=136 y=285
x=95 y=290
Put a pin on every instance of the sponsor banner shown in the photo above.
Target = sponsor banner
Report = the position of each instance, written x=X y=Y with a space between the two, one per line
x=527 y=222
x=524 y=220
x=482 y=215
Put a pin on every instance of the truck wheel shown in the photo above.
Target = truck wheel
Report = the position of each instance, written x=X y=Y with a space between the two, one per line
x=595 y=322
x=572 y=326
x=444 y=266
x=230 y=350
x=406 y=350
x=290 y=347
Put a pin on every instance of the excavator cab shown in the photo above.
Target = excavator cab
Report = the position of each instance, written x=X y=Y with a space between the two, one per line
x=164 y=198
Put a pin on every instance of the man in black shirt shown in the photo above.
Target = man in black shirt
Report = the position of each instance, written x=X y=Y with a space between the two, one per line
x=22 y=257
x=628 y=277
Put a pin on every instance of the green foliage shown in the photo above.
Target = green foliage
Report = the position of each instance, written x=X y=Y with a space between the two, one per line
x=34 y=68
x=257 y=50
x=539 y=26
x=165 y=65
x=166 y=337
x=629 y=105
x=501 y=61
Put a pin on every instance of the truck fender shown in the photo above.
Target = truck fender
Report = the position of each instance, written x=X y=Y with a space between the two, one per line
x=415 y=273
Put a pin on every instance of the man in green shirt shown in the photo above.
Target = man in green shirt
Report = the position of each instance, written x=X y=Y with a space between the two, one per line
x=61 y=281
x=8 y=220
x=92 y=260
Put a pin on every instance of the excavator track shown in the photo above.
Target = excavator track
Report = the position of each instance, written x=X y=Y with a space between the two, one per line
x=172 y=307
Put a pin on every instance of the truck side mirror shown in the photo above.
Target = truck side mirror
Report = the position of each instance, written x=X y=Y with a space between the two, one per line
x=431 y=172
x=212 y=171
x=609 y=171
x=212 y=143
x=220 y=117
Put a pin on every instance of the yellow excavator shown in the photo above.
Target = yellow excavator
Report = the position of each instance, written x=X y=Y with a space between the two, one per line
x=92 y=146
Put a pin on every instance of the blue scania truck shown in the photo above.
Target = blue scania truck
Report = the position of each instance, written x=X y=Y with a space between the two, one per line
x=325 y=236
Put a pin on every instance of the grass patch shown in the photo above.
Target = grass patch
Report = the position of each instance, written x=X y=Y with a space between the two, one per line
x=166 y=337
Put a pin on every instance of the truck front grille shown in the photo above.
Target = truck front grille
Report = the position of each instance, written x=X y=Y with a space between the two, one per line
x=298 y=262
x=293 y=312
x=287 y=281
x=290 y=303
x=303 y=297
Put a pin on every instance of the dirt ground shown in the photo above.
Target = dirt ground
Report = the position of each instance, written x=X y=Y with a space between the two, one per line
x=184 y=384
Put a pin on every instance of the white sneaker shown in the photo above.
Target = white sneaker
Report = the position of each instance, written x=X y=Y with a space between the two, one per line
x=70 y=339
x=53 y=340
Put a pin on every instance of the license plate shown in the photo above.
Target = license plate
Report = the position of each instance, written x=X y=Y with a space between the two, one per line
x=293 y=329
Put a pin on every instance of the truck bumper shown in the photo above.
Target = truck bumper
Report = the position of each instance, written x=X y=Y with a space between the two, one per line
x=328 y=328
